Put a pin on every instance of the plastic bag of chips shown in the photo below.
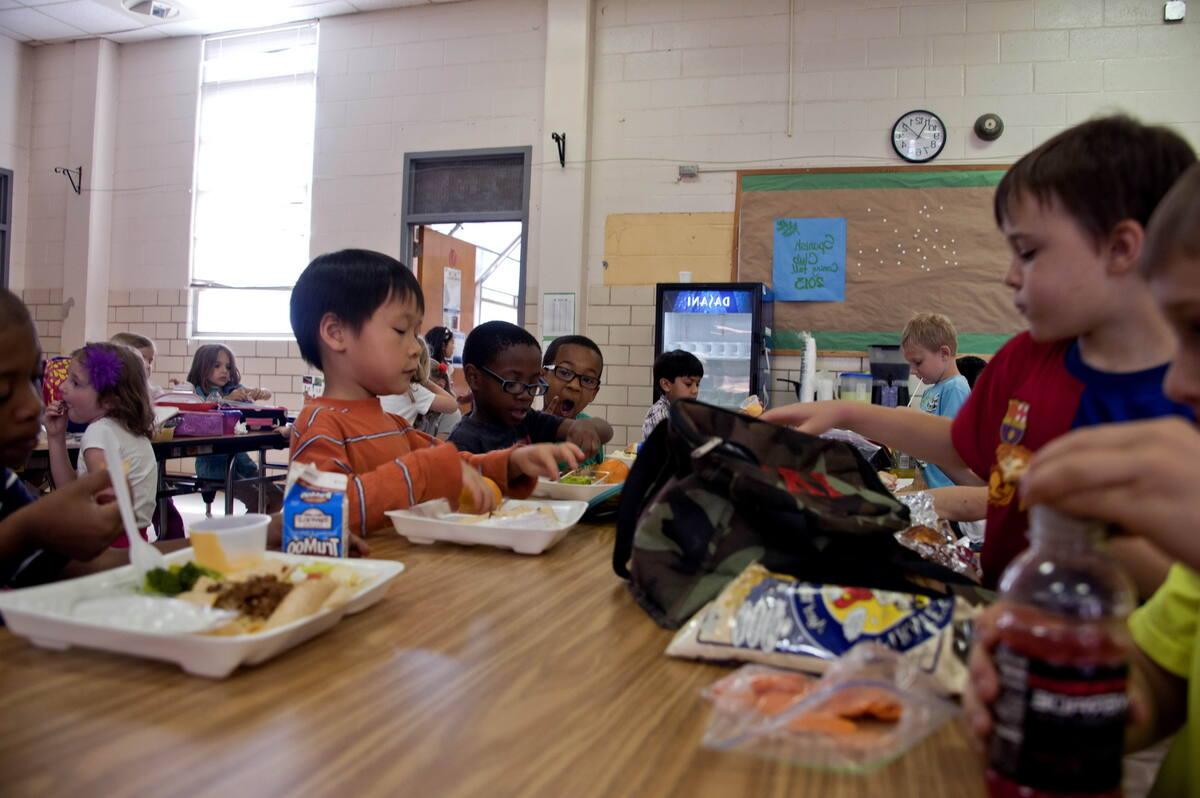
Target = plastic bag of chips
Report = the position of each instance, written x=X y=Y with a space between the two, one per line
x=869 y=708
x=776 y=619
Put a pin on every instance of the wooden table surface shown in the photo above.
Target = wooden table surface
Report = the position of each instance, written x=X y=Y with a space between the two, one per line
x=482 y=673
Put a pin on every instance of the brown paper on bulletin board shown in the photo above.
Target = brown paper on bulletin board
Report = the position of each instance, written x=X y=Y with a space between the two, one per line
x=916 y=240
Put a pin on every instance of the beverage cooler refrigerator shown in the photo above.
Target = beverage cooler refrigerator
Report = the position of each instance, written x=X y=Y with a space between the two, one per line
x=728 y=327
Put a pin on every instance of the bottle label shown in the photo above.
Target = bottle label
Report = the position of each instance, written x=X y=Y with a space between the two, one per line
x=1059 y=728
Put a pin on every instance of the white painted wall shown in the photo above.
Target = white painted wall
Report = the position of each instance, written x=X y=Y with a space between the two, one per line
x=705 y=81
x=16 y=116
x=440 y=77
x=156 y=108
x=46 y=233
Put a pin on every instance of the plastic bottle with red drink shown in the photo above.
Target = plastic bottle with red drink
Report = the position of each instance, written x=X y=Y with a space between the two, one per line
x=1063 y=662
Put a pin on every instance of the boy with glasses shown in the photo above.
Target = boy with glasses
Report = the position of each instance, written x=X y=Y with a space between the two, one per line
x=502 y=364
x=572 y=368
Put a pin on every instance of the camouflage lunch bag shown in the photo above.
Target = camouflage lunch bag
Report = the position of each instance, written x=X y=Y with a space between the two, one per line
x=713 y=490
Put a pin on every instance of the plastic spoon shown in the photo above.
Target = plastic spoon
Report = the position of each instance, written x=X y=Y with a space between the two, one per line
x=142 y=555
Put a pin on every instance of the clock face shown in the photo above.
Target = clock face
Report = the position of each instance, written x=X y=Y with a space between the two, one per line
x=918 y=136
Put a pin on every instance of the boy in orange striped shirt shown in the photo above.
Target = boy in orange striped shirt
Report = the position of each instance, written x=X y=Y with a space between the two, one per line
x=356 y=315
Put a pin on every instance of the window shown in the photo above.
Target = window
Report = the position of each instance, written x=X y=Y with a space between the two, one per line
x=6 y=179
x=481 y=197
x=254 y=157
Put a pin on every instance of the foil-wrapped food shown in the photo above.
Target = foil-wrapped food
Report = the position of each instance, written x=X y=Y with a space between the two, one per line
x=932 y=538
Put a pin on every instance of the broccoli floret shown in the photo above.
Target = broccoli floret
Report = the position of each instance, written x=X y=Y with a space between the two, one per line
x=161 y=580
x=176 y=579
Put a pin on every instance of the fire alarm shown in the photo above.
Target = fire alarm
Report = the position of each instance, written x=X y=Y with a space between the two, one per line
x=989 y=127
x=1174 y=10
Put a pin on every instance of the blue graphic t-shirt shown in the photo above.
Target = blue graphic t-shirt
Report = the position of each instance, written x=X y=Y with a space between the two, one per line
x=943 y=399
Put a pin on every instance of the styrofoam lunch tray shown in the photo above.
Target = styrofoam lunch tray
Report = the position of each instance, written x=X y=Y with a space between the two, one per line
x=549 y=489
x=433 y=521
x=43 y=616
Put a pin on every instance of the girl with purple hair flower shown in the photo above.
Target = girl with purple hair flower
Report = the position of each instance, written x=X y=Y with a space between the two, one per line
x=106 y=389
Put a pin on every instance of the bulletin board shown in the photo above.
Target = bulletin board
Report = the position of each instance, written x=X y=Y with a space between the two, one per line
x=917 y=239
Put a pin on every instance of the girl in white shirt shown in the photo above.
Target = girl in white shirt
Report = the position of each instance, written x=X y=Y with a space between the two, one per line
x=106 y=389
x=425 y=402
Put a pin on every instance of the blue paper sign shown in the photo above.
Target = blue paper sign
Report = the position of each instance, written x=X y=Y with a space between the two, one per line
x=809 y=260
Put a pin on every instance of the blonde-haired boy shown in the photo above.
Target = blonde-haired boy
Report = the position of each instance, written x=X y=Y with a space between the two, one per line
x=930 y=345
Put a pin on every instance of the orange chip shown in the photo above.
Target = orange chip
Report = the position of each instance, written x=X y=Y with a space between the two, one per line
x=821 y=723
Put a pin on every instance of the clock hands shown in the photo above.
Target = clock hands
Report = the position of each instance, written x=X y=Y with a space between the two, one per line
x=910 y=130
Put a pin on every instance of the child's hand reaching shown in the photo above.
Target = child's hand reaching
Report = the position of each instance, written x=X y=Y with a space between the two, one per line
x=542 y=459
x=482 y=499
x=584 y=434
x=71 y=521
x=56 y=420
x=814 y=418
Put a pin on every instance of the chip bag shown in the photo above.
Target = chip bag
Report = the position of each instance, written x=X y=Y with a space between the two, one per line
x=869 y=708
x=53 y=378
x=315 y=510
x=776 y=619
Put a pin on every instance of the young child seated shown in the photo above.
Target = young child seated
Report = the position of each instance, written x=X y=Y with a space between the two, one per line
x=1141 y=477
x=677 y=375
x=573 y=365
x=214 y=374
x=38 y=538
x=422 y=407
x=503 y=367
x=106 y=389
x=1074 y=212
x=146 y=348
x=930 y=343
x=356 y=316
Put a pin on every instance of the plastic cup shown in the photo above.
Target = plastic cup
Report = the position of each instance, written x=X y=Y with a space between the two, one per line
x=242 y=538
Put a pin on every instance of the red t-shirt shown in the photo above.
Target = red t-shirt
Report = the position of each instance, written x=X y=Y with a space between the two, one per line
x=1029 y=394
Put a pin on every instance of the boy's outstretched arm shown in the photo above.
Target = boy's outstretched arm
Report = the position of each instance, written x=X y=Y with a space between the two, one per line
x=921 y=435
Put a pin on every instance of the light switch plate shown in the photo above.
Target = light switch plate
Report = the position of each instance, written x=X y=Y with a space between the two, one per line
x=1174 y=10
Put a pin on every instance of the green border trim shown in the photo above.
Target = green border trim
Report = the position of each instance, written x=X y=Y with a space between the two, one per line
x=824 y=181
x=968 y=343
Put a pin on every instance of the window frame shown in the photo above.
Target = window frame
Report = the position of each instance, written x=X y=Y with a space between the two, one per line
x=6 y=225
x=409 y=220
x=197 y=287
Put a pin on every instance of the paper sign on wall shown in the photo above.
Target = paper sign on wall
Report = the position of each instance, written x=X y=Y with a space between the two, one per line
x=809 y=260
x=558 y=314
x=451 y=296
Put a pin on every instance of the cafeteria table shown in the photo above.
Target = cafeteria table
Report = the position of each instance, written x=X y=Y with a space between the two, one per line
x=481 y=673
x=260 y=442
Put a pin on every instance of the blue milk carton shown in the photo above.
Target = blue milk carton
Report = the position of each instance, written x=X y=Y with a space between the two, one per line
x=314 y=512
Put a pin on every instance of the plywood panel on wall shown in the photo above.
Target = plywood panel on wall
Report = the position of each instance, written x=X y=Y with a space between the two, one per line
x=649 y=248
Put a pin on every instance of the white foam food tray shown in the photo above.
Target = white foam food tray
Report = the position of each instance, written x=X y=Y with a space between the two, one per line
x=563 y=491
x=44 y=615
x=531 y=533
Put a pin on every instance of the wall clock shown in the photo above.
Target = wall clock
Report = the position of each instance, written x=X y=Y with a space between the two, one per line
x=918 y=136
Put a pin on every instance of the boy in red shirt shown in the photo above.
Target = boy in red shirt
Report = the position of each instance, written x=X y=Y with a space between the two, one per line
x=356 y=315
x=1074 y=212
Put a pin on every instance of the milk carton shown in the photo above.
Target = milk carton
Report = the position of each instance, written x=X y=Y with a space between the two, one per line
x=315 y=510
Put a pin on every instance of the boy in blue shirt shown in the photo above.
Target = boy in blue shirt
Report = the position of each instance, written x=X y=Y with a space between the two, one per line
x=930 y=343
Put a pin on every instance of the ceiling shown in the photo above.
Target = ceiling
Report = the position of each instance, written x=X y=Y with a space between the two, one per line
x=40 y=21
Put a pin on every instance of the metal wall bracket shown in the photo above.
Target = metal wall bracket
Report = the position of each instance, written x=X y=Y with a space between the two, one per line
x=73 y=175
x=561 y=140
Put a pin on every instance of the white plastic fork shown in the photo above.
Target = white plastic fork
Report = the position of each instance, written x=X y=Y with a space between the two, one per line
x=142 y=555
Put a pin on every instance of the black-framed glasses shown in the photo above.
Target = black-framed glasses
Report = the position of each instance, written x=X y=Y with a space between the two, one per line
x=566 y=374
x=516 y=387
